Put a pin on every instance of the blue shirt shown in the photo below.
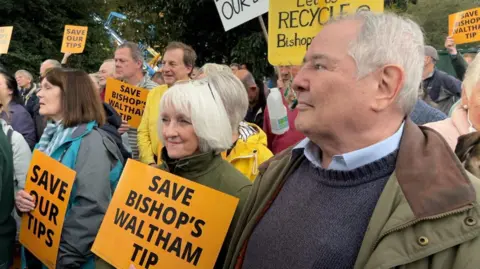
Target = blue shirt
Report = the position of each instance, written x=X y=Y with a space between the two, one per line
x=355 y=159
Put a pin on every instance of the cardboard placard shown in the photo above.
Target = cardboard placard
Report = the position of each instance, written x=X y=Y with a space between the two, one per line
x=465 y=26
x=129 y=101
x=50 y=183
x=159 y=220
x=5 y=38
x=74 y=39
x=293 y=24
x=236 y=12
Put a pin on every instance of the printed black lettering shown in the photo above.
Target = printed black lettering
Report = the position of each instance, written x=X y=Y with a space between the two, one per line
x=35 y=170
x=153 y=229
x=182 y=219
x=49 y=241
x=198 y=228
x=63 y=191
x=163 y=238
x=190 y=257
x=293 y=18
x=283 y=17
x=121 y=217
x=165 y=217
x=131 y=198
x=158 y=210
x=146 y=201
x=176 y=246
x=188 y=196
x=53 y=214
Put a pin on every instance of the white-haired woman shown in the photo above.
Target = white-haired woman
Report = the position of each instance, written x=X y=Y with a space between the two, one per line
x=195 y=129
x=466 y=118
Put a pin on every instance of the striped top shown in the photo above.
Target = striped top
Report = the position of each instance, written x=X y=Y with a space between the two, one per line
x=148 y=84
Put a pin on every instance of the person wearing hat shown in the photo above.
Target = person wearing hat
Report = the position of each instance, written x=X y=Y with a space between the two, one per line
x=440 y=90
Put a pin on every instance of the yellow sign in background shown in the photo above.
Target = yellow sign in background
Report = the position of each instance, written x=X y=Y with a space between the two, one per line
x=129 y=101
x=465 y=26
x=292 y=25
x=5 y=37
x=159 y=220
x=74 y=39
x=50 y=183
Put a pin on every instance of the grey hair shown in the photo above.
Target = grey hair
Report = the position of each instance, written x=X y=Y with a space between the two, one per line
x=233 y=95
x=53 y=63
x=385 y=39
x=134 y=50
x=25 y=73
x=472 y=76
x=200 y=101
x=209 y=68
x=109 y=61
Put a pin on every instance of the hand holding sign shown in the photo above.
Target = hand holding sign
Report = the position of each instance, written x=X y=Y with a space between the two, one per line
x=48 y=185
x=24 y=201
x=74 y=39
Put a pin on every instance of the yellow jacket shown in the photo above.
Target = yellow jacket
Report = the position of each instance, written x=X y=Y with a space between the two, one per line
x=148 y=141
x=250 y=150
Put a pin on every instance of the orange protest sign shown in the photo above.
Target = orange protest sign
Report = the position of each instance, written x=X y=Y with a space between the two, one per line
x=50 y=183
x=129 y=101
x=74 y=39
x=5 y=37
x=159 y=220
x=465 y=26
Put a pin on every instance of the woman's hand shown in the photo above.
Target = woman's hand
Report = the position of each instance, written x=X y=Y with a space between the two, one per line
x=24 y=201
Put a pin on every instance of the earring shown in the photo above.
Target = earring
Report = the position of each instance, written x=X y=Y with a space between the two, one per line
x=465 y=107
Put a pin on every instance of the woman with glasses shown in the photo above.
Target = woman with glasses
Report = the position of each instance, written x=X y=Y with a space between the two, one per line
x=69 y=100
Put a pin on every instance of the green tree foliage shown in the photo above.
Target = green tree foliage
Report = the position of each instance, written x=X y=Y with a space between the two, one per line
x=198 y=24
x=38 y=32
x=432 y=15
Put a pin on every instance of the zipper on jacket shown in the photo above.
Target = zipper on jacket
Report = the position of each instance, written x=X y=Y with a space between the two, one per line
x=454 y=212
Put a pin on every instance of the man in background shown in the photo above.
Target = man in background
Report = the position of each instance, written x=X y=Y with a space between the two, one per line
x=178 y=63
x=129 y=69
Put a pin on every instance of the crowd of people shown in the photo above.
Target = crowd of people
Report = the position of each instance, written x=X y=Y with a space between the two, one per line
x=378 y=168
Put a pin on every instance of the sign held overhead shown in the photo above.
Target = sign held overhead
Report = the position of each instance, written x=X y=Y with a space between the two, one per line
x=74 y=39
x=5 y=37
x=236 y=12
x=465 y=26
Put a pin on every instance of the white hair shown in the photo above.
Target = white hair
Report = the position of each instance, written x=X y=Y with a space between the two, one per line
x=25 y=73
x=233 y=95
x=209 y=68
x=385 y=39
x=472 y=77
x=201 y=102
x=53 y=63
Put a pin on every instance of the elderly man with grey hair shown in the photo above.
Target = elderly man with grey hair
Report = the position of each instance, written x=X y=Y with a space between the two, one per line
x=367 y=188
x=129 y=68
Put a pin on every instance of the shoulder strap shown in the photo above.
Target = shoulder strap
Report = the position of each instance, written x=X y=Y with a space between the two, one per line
x=9 y=135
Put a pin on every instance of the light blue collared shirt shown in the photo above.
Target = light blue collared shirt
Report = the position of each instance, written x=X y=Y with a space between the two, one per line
x=354 y=159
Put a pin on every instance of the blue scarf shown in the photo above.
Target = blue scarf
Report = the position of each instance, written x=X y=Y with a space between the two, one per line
x=54 y=135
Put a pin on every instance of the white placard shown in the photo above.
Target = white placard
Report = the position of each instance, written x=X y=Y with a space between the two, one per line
x=236 y=12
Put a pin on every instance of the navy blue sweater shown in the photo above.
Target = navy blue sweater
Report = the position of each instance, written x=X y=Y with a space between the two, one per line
x=319 y=218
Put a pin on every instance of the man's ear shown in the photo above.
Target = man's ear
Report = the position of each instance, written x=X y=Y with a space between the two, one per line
x=391 y=79
x=190 y=69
